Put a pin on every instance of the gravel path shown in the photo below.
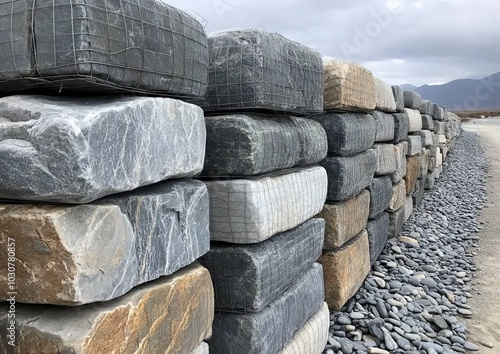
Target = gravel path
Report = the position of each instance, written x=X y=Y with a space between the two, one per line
x=414 y=299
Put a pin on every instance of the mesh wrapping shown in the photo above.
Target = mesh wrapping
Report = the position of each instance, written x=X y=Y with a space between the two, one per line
x=380 y=195
x=386 y=161
x=384 y=96
x=312 y=337
x=348 y=87
x=269 y=330
x=378 y=233
x=248 y=277
x=413 y=99
x=255 y=69
x=252 y=210
x=385 y=127
x=347 y=133
x=102 y=46
x=251 y=144
x=347 y=176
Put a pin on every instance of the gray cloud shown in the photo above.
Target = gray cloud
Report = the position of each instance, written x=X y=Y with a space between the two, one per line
x=401 y=41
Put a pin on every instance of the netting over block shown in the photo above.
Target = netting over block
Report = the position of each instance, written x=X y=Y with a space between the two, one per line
x=255 y=69
x=102 y=46
x=348 y=87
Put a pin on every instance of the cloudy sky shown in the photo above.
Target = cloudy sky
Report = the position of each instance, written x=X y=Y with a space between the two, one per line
x=401 y=41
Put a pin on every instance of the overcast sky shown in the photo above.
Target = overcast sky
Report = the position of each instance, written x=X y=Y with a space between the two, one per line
x=401 y=41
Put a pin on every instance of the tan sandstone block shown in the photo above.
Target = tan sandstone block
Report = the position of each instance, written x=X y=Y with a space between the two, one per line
x=345 y=220
x=345 y=270
x=398 y=199
x=170 y=315
x=411 y=173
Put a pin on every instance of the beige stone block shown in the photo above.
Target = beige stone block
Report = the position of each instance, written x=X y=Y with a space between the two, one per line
x=411 y=173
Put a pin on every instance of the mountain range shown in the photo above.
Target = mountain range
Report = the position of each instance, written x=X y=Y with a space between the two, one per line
x=463 y=94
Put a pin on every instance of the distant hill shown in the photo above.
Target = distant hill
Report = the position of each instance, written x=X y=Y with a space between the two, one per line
x=465 y=94
x=409 y=87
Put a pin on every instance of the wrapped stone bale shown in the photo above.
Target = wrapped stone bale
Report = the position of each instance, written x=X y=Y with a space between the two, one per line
x=427 y=122
x=348 y=176
x=96 y=46
x=396 y=222
x=254 y=209
x=253 y=69
x=427 y=138
x=399 y=98
x=384 y=96
x=400 y=156
x=271 y=329
x=130 y=238
x=347 y=133
x=124 y=324
x=253 y=144
x=413 y=100
x=313 y=336
x=344 y=220
x=415 y=119
x=380 y=195
x=348 y=86
x=378 y=233
x=385 y=127
x=76 y=150
x=401 y=127
x=414 y=145
x=247 y=278
x=398 y=196
x=411 y=173
x=386 y=160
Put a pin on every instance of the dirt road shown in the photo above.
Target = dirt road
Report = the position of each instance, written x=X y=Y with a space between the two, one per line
x=485 y=323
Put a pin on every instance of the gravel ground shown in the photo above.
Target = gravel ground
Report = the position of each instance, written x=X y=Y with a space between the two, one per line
x=417 y=292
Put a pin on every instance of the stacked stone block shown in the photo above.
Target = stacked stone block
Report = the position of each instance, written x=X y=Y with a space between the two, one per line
x=265 y=188
x=97 y=192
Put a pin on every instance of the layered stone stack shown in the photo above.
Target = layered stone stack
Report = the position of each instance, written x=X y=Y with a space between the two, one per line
x=105 y=246
x=265 y=188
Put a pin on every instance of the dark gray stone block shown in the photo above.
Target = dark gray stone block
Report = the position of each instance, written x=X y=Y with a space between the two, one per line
x=430 y=180
x=348 y=133
x=427 y=122
x=247 y=278
x=76 y=150
x=427 y=138
x=348 y=176
x=255 y=69
x=401 y=127
x=380 y=195
x=426 y=107
x=413 y=99
x=102 y=46
x=378 y=233
x=251 y=144
x=269 y=330
x=437 y=112
x=399 y=98
x=418 y=193
x=384 y=127
x=396 y=222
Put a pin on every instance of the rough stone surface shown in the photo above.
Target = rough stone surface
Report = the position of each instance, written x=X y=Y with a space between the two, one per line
x=384 y=96
x=430 y=180
x=418 y=194
x=411 y=173
x=252 y=210
x=384 y=126
x=140 y=322
x=203 y=348
x=344 y=220
x=413 y=99
x=397 y=219
x=423 y=163
x=386 y=160
x=347 y=176
x=437 y=112
x=252 y=333
x=427 y=138
x=434 y=147
x=348 y=86
x=248 y=277
x=408 y=208
x=399 y=98
x=256 y=69
x=115 y=48
x=83 y=254
x=312 y=337
x=76 y=150
x=415 y=119
x=400 y=156
x=251 y=144
x=401 y=126
x=426 y=107
x=378 y=232
x=414 y=145
x=427 y=122
x=345 y=270
x=380 y=195
x=398 y=196
x=348 y=133
x=439 y=127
